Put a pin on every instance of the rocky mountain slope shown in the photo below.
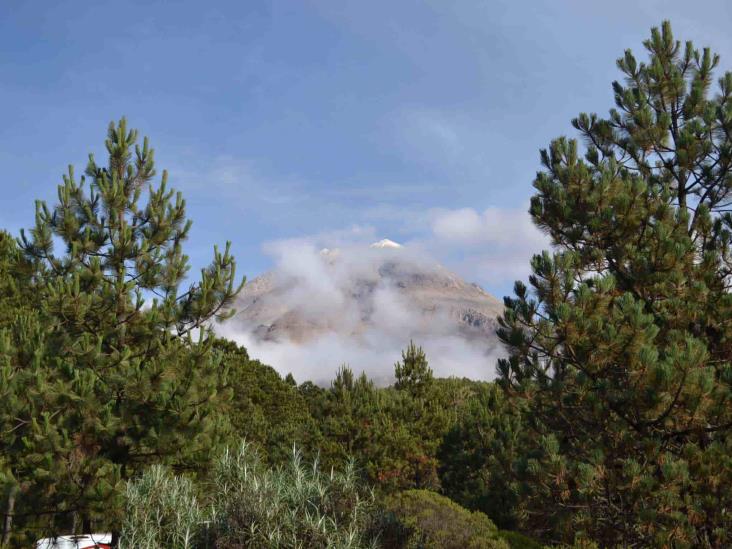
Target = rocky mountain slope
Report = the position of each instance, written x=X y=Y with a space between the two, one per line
x=384 y=287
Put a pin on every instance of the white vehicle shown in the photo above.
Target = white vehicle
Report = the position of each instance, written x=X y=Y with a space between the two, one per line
x=86 y=541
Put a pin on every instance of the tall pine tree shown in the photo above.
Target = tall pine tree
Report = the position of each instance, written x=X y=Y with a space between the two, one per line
x=121 y=358
x=413 y=373
x=621 y=350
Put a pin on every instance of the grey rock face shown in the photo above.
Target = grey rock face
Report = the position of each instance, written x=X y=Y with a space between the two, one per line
x=382 y=287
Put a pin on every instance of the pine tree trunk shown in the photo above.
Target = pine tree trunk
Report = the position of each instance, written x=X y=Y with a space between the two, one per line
x=86 y=524
x=8 y=521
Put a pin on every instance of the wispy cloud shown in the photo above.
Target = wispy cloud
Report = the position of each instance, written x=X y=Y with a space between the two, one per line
x=494 y=227
x=339 y=307
x=493 y=246
x=241 y=182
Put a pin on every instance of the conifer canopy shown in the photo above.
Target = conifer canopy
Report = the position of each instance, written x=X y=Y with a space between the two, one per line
x=621 y=347
x=113 y=366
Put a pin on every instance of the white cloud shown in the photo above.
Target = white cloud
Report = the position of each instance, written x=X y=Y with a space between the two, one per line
x=242 y=182
x=367 y=332
x=447 y=141
x=494 y=226
x=493 y=246
x=460 y=225
x=435 y=129
x=319 y=359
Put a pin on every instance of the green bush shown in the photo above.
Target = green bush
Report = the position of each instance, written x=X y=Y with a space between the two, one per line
x=519 y=541
x=426 y=520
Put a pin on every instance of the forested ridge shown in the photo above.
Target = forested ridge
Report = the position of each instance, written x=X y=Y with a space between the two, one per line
x=609 y=423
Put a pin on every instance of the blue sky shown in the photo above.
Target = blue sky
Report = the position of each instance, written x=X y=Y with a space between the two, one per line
x=335 y=121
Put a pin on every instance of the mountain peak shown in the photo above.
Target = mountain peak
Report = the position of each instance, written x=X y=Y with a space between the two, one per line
x=357 y=307
x=386 y=243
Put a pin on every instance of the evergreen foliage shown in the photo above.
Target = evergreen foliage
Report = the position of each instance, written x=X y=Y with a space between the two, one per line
x=264 y=408
x=348 y=412
x=413 y=373
x=393 y=433
x=478 y=454
x=106 y=376
x=414 y=417
x=19 y=328
x=621 y=349
x=16 y=287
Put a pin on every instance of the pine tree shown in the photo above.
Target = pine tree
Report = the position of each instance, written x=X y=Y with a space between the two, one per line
x=349 y=409
x=410 y=425
x=16 y=289
x=17 y=316
x=413 y=373
x=265 y=408
x=621 y=350
x=124 y=363
x=476 y=455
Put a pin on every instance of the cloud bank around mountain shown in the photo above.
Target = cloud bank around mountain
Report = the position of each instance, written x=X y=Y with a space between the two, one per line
x=320 y=288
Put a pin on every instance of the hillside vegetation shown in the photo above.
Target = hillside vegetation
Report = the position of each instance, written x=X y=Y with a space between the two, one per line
x=609 y=424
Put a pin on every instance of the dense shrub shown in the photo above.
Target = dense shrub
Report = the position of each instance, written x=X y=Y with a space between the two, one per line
x=428 y=520
x=519 y=541
x=393 y=433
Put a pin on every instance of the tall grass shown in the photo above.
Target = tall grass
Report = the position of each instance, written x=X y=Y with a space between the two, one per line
x=162 y=511
x=293 y=506
x=249 y=504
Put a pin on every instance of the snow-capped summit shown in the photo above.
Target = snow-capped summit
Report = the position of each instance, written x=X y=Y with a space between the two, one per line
x=356 y=296
x=385 y=243
x=316 y=310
